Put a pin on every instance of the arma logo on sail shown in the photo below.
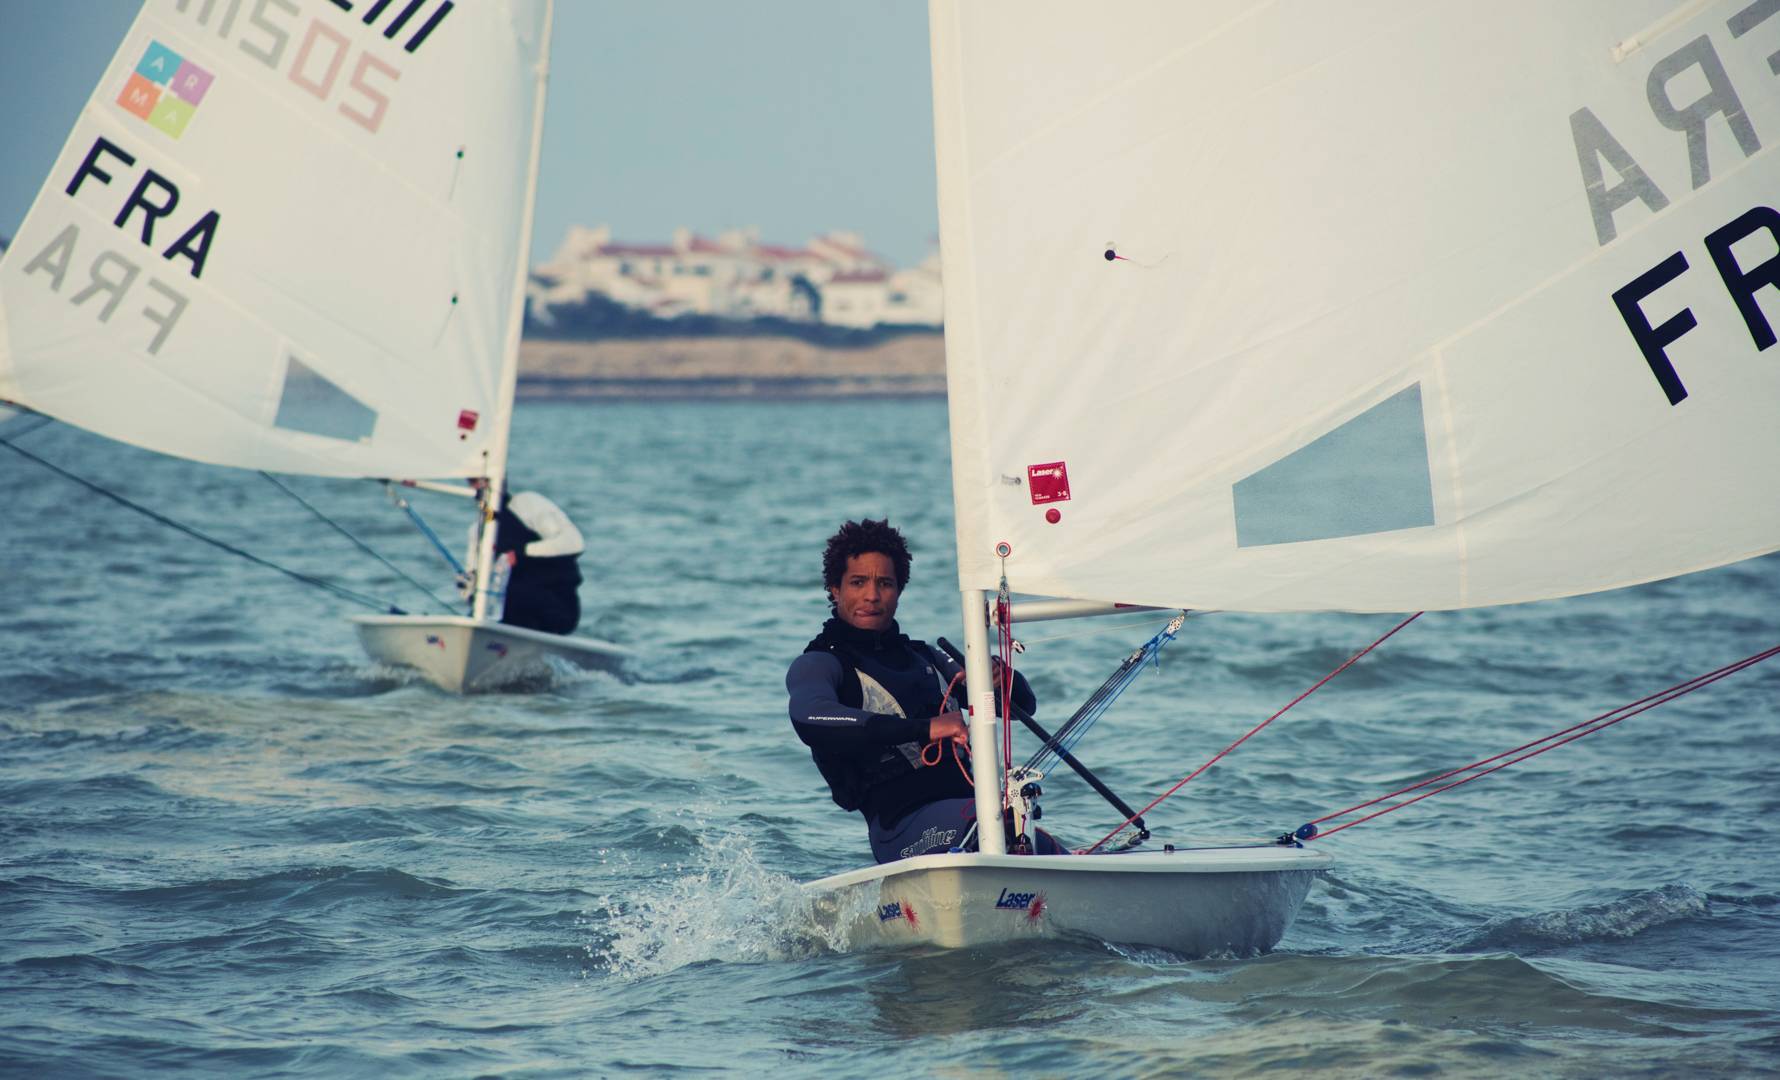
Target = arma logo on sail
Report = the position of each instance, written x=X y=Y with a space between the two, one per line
x=165 y=89
x=1693 y=64
x=317 y=56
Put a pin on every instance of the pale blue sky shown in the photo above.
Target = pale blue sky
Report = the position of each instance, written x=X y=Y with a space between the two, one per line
x=796 y=116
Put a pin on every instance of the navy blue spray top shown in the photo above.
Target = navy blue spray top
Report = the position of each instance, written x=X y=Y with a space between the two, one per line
x=861 y=701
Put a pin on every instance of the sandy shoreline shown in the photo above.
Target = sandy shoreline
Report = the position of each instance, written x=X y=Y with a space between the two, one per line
x=910 y=366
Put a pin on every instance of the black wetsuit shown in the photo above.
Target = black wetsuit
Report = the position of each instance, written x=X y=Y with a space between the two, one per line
x=542 y=592
x=861 y=700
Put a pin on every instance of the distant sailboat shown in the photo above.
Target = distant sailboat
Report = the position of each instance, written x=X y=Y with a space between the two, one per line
x=295 y=241
x=1299 y=307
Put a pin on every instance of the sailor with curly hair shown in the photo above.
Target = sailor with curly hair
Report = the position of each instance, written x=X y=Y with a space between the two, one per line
x=871 y=704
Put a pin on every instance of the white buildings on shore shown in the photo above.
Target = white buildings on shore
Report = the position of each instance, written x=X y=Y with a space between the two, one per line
x=832 y=280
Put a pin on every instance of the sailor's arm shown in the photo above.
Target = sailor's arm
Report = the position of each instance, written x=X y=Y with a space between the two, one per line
x=557 y=535
x=824 y=723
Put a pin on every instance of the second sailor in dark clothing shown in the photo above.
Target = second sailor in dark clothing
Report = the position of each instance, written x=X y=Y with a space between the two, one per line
x=542 y=549
x=871 y=704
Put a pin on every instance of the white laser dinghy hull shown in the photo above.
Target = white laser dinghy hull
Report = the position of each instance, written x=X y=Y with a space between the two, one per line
x=1203 y=902
x=460 y=654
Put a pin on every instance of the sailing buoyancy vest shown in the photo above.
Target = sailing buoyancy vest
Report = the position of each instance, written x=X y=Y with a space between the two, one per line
x=885 y=673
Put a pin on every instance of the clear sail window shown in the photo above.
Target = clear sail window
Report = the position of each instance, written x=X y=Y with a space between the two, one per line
x=1369 y=475
x=311 y=402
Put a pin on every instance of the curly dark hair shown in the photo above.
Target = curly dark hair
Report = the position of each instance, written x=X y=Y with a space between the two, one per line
x=858 y=538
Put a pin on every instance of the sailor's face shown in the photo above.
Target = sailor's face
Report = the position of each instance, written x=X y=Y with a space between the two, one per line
x=867 y=594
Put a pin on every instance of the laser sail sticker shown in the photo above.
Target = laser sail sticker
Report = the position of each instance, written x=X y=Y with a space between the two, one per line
x=1048 y=482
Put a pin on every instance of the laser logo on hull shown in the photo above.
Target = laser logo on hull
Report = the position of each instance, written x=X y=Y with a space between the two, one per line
x=1032 y=903
x=898 y=909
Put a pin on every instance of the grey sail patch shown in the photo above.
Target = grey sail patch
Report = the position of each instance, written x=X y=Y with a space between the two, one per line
x=1369 y=475
x=312 y=403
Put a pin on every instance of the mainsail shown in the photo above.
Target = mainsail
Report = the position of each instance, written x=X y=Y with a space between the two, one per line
x=289 y=238
x=1376 y=307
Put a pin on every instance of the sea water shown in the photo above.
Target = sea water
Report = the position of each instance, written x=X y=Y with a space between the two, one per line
x=229 y=845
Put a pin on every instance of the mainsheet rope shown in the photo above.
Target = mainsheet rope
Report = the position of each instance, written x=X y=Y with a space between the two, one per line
x=1574 y=732
x=338 y=590
x=939 y=751
x=360 y=544
x=1349 y=662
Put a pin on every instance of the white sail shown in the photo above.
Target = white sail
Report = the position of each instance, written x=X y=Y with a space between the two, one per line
x=1357 y=343
x=288 y=237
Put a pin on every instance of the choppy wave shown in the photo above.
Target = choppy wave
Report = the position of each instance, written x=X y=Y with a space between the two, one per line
x=1614 y=920
x=298 y=888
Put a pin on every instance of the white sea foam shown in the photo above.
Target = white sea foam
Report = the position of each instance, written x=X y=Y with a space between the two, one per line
x=724 y=906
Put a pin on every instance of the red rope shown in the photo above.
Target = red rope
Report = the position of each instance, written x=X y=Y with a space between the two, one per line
x=939 y=755
x=1598 y=723
x=1252 y=731
x=939 y=751
x=946 y=698
x=1005 y=677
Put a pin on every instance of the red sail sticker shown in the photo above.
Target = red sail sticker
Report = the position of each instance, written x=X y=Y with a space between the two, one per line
x=466 y=419
x=1048 y=482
